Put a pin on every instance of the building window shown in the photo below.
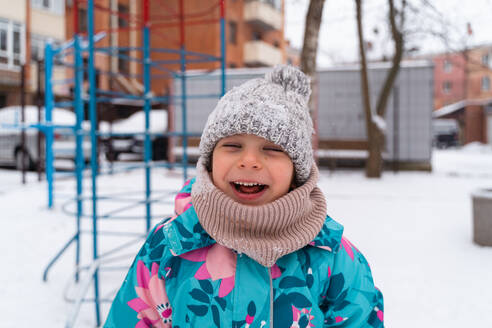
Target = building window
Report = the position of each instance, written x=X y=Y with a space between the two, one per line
x=11 y=43
x=446 y=87
x=487 y=60
x=53 y=6
x=3 y=100
x=3 y=36
x=256 y=36
x=38 y=43
x=82 y=20
x=277 y=4
x=17 y=44
x=232 y=32
x=4 y=31
x=447 y=66
x=123 y=15
x=123 y=61
x=37 y=47
x=485 y=83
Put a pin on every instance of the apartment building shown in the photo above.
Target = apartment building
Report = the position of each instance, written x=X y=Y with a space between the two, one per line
x=12 y=49
x=463 y=91
x=462 y=75
x=25 y=26
x=254 y=36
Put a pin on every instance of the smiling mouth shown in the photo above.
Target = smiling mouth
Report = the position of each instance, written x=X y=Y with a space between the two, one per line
x=248 y=188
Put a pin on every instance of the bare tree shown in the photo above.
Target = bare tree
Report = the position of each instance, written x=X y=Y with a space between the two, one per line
x=309 y=51
x=311 y=36
x=375 y=118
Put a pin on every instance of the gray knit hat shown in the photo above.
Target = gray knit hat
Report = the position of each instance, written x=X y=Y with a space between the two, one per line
x=275 y=108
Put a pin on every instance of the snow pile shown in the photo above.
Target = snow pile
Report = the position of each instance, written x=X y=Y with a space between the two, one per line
x=473 y=160
x=477 y=147
x=136 y=123
x=380 y=123
x=12 y=115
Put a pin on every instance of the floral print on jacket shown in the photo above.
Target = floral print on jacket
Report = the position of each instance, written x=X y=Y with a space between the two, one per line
x=182 y=278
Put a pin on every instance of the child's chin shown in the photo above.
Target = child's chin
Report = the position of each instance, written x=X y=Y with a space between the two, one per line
x=252 y=203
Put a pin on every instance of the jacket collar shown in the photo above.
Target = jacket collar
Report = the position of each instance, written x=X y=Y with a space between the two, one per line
x=184 y=233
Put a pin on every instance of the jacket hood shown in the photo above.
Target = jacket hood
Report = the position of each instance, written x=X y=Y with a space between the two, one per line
x=183 y=232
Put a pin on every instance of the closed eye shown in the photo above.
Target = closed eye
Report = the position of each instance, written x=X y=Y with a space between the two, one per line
x=230 y=145
x=274 y=149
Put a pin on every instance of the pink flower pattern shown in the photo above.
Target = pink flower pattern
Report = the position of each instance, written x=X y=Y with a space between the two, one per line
x=219 y=263
x=349 y=247
x=152 y=303
x=275 y=271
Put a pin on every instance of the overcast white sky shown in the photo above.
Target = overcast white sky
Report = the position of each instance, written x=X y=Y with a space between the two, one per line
x=338 y=37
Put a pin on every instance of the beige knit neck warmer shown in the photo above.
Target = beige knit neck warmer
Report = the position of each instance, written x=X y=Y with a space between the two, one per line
x=266 y=232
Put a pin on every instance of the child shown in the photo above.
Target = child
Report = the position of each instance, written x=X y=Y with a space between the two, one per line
x=250 y=244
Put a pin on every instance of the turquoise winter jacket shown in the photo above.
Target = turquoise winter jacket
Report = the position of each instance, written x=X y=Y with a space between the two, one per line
x=182 y=278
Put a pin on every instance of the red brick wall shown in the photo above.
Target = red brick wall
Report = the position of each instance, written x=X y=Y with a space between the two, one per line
x=475 y=124
x=456 y=76
x=204 y=38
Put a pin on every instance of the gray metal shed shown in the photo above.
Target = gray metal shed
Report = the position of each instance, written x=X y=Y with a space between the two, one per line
x=409 y=113
x=340 y=112
x=202 y=87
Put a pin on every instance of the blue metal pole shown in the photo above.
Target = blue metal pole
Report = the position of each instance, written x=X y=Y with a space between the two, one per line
x=147 y=95
x=57 y=256
x=222 y=47
x=94 y=168
x=182 y=57
x=79 y=135
x=48 y=106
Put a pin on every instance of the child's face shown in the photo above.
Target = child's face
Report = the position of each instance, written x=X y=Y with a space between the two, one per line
x=251 y=170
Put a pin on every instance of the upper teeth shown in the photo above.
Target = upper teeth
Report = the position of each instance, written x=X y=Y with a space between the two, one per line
x=247 y=184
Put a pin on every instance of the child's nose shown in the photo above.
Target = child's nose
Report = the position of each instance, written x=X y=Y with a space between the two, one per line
x=250 y=159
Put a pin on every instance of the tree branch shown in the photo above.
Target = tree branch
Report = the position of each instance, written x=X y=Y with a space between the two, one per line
x=397 y=57
x=363 y=69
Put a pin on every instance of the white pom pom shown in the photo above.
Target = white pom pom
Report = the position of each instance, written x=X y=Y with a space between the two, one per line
x=291 y=79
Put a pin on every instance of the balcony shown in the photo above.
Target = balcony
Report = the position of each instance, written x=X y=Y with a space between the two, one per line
x=260 y=53
x=10 y=77
x=262 y=15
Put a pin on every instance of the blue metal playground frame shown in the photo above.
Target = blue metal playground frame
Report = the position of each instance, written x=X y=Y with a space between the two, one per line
x=70 y=55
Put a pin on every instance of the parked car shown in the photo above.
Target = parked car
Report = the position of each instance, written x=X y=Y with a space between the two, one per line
x=127 y=135
x=11 y=150
x=445 y=133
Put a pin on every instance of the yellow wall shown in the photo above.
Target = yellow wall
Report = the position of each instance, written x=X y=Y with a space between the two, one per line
x=48 y=24
x=13 y=10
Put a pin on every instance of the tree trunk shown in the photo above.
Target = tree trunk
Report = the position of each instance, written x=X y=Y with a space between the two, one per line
x=308 y=57
x=376 y=136
x=311 y=35
x=374 y=160
x=374 y=164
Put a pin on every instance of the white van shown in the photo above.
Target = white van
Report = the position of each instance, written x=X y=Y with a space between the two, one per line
x=10 y=136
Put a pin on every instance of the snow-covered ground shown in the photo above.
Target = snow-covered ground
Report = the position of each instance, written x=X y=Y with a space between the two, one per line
x=415 y=229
